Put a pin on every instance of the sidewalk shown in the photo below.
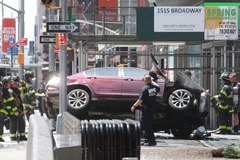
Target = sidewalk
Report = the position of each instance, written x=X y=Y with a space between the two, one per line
x=12 y=150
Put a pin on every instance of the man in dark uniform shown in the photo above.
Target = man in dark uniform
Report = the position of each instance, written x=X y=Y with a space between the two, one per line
x=225 y=105
x=21 y=120
x=146 y=101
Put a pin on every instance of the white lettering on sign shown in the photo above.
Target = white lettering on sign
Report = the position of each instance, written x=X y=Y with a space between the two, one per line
x=63 y=27
x=54 y=27
x=48 y=39
x=8 y=30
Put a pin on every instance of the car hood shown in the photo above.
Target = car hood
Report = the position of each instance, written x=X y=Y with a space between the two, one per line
x=181 y=80
x=49 y=76
x=184 y=80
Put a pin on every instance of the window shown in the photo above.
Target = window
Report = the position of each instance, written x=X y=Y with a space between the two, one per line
x=105 y=72
x=134 y=72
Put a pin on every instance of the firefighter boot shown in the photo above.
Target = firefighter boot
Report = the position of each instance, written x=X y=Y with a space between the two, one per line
x=13 y=138
x=235 y=129
x=1 y=139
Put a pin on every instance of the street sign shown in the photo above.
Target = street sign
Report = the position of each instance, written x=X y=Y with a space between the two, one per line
x=31 y=46
x=48 y=39
x=13 y=50
x=126 y=60
x=11 y=41
x=63 y=27
x=62 y=38
x=23 y=42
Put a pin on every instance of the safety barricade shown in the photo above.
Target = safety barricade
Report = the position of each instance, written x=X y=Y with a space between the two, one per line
x=71 y=124
x=40 y=142
x=110 y=139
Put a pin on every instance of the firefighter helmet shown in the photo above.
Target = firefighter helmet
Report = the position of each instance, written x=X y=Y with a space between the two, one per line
x=28 y=74
x=15 y=79
x=6 y=79
x=225 y=77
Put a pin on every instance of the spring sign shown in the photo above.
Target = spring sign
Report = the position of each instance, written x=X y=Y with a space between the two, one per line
x=221 y=23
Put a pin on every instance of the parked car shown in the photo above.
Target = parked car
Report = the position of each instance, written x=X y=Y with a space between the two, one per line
x=110 y=91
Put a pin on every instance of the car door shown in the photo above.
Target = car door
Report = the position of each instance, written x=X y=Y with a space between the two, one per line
x=104 y=82
x=132 y=82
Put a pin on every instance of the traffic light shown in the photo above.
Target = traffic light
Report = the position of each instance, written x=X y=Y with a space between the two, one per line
x=20 y=57
x=47 y=3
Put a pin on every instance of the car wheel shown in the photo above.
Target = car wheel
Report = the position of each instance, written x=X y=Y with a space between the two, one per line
x=180 y=99
x=78 y=101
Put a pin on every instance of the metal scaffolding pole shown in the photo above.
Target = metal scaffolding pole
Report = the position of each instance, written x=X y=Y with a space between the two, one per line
x=21 y=32
x=51 y=53
x=63 y=82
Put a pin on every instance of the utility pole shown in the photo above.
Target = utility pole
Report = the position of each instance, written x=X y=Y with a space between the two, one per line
x=20 y=13
x=2 y=9
x=51 y=54
x=63 y=82
x=21 y=32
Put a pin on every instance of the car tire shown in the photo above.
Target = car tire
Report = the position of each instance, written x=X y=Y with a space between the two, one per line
x=78 y=101
x=180 y=99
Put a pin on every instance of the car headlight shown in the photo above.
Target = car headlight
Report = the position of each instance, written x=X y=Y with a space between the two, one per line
x=54 y=82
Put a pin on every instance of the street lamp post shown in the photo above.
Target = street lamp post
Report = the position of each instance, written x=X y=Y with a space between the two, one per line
x=63 y=82
x=21 y=32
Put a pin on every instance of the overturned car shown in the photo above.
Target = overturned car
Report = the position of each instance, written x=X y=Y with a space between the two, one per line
x=109 y=92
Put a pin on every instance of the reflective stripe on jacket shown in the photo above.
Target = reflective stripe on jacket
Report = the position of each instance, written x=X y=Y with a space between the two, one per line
x=225 y=98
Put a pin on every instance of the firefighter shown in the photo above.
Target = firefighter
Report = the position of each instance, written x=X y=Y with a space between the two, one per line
x=10 y=107
x=21 y=121
x=3 y=113
x=39 y=96
x=236 y=98
x=225 y=104
x=28 y=94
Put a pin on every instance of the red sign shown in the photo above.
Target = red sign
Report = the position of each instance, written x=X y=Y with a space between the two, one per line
x=62 y=38
x=109 y=8
x=8 y=31
x=23 y=42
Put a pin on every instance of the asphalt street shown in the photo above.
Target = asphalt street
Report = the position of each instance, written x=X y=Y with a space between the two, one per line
x=12 y=150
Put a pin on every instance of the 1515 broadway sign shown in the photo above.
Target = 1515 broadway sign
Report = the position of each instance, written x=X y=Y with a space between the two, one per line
x=178 y=19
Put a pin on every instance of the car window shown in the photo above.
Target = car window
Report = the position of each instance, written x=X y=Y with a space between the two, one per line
x=105 y=72
x=134 y=72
